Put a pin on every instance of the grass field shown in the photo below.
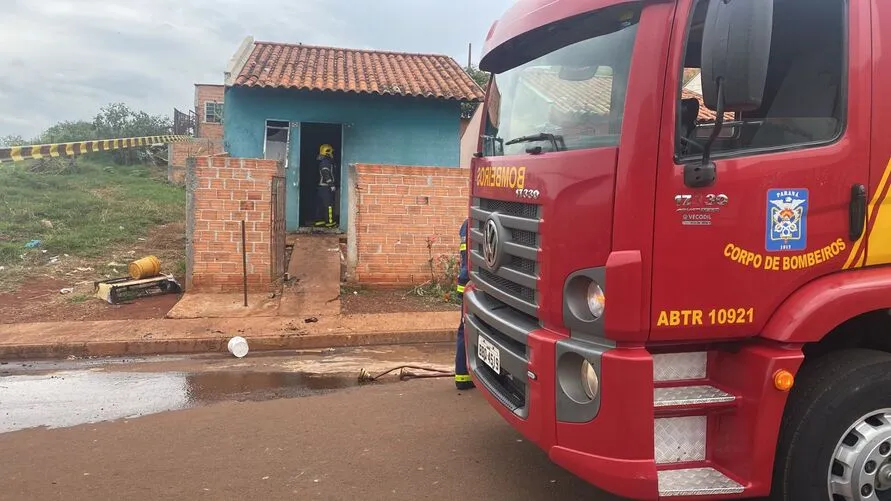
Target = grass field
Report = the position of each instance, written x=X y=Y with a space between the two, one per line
x=82 y=213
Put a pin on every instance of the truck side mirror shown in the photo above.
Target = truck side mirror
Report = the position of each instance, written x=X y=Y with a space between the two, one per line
x=735 y=53
x=736 y=42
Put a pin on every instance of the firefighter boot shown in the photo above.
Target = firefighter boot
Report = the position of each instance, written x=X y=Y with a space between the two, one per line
x=330 y=223
x=462 y=376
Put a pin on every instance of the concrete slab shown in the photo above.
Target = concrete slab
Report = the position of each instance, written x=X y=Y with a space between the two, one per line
x=315 y=269
x=194 y=305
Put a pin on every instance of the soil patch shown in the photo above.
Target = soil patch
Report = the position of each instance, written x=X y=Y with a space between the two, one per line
x=38 y=299
x=32 y=292
x=390 y=301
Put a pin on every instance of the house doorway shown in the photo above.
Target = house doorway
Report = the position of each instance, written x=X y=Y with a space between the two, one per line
x=312 y=136
x=276 y=145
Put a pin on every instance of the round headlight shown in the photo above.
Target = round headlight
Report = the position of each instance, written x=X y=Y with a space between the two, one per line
x=590 y=383
x=596 y=299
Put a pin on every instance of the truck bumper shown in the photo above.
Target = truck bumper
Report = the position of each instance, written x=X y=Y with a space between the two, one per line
x=610 y=443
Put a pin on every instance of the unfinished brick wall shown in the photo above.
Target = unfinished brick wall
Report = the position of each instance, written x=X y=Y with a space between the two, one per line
x=399 y=208
x=208 y=93
x=222 y=192
x=182 y=151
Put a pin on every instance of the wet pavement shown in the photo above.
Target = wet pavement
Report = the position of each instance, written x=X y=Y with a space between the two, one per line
x=412 y=440
x=65 y=393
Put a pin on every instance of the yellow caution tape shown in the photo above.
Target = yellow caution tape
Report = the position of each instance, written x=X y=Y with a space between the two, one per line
x=37 y=151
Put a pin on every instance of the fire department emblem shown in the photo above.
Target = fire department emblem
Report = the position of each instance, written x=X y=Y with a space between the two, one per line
x=787 y=220
x=491 y=243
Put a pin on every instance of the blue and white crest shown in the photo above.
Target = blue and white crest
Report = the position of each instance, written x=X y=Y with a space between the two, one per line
x=786 y=220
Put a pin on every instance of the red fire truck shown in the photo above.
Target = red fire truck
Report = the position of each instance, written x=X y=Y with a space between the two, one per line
x=741 y=234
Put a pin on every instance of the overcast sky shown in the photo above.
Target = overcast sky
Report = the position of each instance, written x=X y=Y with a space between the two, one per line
x=63 y=59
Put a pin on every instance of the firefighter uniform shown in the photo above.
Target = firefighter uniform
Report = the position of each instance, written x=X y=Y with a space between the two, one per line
x=325 y=191
x=462 y=375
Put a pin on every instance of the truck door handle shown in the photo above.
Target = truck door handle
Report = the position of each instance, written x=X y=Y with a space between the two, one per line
x=857 y=212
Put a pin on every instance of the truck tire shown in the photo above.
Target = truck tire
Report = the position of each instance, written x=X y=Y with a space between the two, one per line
x=835 y=436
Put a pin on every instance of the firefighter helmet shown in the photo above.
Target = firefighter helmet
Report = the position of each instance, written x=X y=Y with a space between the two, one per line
x=326 y=150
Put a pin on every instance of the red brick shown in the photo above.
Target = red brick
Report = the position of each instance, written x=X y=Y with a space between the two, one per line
x=399 y=210
x=208 y=93
x=229 y=198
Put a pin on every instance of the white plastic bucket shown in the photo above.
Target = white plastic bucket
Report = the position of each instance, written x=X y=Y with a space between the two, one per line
x=238 y=346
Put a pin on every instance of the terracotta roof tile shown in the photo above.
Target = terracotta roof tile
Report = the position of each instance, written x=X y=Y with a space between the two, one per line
x=295 y=66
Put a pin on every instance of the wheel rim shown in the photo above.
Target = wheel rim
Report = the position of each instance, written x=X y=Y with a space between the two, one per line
x=860 y=469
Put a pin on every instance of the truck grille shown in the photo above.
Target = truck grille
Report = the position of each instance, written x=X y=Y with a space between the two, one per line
x=503 y=308
x=515 y=282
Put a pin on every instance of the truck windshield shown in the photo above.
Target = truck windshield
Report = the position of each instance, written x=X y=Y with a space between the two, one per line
x=567 y=90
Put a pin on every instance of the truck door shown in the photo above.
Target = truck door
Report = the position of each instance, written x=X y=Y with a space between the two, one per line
x=777 y=216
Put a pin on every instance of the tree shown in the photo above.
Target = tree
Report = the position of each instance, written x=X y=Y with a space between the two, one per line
x=9 y=141
x=67 y=132
x=116 y=120
x=482 y=79
x=479 y=76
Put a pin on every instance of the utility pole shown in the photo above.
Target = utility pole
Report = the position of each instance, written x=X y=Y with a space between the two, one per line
x=469 y=55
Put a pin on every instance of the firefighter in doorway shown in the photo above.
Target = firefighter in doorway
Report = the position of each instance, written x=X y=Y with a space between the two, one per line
x=326 y=188
x=462 y=375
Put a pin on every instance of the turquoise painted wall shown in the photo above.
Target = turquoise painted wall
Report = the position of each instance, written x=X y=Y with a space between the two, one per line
x=377 y=129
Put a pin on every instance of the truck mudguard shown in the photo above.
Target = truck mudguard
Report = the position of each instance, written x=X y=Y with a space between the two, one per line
x=814 y=310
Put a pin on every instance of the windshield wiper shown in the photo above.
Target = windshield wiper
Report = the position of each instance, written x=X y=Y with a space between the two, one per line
x=542 y=136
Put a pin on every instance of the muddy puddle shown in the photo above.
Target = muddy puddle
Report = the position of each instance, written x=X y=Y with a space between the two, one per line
x=70 y=398
x=61 y=393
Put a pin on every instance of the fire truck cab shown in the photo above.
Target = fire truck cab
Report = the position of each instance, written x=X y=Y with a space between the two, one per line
x=679 y=292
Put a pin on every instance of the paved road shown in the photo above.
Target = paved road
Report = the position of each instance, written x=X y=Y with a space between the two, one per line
x=402 y=441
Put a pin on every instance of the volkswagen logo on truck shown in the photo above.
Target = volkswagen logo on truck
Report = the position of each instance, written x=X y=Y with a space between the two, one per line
x=492 y=243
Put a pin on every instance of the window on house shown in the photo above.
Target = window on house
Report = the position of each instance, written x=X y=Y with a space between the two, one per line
x=804 y=101
x=213 y=112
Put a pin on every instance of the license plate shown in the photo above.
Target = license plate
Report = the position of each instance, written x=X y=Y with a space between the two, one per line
x=488 y=353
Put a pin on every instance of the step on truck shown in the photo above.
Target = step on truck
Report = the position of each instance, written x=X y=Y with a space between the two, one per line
x=678 y=289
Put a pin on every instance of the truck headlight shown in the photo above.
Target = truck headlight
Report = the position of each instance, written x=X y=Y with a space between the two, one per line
x=590 y=382
x=596 y=299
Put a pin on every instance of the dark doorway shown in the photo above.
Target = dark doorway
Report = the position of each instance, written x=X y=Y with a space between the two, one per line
x=312 y=136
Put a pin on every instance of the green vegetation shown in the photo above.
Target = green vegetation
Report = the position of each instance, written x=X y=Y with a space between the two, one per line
x=444 y=270
x=81 y=211
x=79 y=298
x=482 y=79
x=115 y=120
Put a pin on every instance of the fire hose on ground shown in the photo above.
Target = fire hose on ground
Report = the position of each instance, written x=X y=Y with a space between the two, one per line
x=366 y=377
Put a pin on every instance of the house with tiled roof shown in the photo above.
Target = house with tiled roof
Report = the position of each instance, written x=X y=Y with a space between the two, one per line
x=284 y=100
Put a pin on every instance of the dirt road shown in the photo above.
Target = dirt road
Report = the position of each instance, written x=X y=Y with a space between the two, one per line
x=412 y=440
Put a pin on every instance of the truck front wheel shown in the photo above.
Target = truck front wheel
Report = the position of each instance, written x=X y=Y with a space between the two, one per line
x=835 y=438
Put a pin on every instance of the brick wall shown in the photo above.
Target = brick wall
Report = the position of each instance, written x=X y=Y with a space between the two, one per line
x=222 y=192
x=180 y=152
x=205 y=93
x=399 y=208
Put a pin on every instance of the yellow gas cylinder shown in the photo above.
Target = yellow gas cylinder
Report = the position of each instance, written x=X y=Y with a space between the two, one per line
x=147 y=267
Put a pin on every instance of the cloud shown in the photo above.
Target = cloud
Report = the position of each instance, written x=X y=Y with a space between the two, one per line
x=64 y=59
